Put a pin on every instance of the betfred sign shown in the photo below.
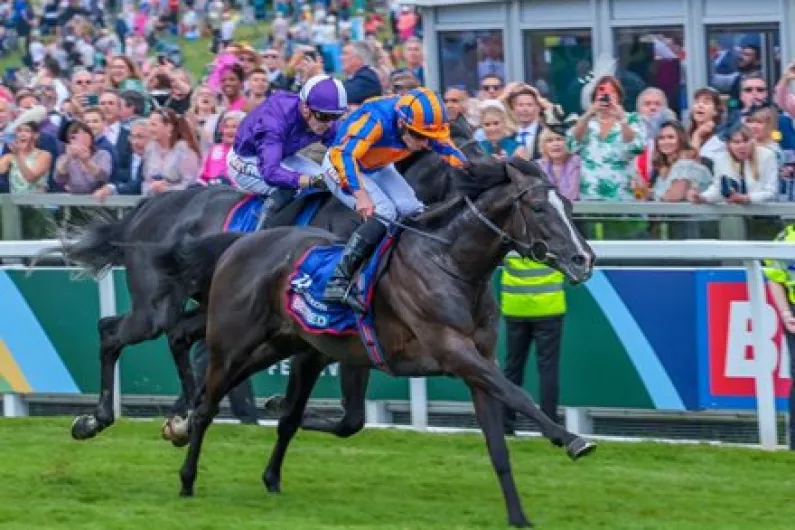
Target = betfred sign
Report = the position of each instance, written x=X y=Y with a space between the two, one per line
x=730 y=352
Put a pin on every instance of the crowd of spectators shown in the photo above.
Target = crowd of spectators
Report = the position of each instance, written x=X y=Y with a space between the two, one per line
x=105 y=104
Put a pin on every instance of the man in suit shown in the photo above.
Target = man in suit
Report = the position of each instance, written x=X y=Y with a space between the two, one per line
x=273 y=60
x=118 y=136
x=362 y=80
x=128 y=178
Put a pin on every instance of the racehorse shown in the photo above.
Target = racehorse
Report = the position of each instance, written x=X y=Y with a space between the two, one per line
x=435 y=314
x=157 y=306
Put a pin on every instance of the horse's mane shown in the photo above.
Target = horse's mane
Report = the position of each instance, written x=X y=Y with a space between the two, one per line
x=472 y=181
x=479 y=177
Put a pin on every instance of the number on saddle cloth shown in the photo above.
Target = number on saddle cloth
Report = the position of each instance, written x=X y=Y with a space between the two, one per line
x=305 y=296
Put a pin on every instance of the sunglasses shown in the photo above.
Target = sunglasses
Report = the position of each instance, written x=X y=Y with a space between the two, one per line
x=324 y=117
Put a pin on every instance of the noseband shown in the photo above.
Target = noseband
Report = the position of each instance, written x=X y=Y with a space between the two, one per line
x=537 y=249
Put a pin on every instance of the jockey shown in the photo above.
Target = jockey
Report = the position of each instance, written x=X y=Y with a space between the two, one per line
x=359 y=171
x=263 y=159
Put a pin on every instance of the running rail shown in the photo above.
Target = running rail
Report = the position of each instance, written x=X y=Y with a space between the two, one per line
x=749 y=252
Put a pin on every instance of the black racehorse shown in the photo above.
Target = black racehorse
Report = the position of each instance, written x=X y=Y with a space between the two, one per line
x=435 y=313
x=158 y=306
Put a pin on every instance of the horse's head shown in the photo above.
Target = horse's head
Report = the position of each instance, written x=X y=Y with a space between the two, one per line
x=541 y=223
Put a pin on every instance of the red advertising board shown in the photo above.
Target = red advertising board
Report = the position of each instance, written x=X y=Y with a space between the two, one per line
x=730 y=350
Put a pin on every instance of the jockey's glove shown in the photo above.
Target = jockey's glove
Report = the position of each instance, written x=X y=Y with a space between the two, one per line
x=317 y=181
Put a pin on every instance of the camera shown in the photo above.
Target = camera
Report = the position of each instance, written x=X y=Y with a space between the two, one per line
x=604 y=98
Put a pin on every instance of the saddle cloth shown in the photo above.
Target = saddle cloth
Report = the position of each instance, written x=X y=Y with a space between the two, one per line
x=244 y=216
x=305 y=293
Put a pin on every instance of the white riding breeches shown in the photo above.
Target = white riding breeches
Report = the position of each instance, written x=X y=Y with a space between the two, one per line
x=244 y=173
x=392 y=196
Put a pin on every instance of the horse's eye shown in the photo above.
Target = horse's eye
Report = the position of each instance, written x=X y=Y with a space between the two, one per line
x=537 y=207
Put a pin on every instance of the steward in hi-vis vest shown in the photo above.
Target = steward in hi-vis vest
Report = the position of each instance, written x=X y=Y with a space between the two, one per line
x=533 y=303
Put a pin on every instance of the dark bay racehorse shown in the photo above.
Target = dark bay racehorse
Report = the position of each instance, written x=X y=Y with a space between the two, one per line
x=435 y=314
x=157 y=305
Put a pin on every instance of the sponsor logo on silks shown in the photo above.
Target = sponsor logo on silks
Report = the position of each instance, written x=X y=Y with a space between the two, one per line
x=301 y=307
x=302 y=283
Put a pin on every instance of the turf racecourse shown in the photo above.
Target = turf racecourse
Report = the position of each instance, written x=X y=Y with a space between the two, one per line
x=127 y=479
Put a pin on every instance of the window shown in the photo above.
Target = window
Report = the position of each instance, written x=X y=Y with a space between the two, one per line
x=737 y=50
x=555 y=60
x=652 y=57
x=466 y=56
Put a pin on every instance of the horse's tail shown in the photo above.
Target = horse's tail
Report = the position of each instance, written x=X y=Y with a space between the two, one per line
x=191 y=262
x=99 y=245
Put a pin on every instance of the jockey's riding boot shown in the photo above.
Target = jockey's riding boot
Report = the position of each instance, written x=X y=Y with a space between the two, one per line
x=361 y=244
x=278 y=199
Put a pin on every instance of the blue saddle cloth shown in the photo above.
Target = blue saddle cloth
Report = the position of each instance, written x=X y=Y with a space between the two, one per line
x=305 y=294
x=244 y=216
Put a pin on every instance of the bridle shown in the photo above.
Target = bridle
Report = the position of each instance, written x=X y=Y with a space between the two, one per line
x=537 y=249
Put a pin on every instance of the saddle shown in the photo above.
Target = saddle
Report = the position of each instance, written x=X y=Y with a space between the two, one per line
x=246 y=215
x=305 y=296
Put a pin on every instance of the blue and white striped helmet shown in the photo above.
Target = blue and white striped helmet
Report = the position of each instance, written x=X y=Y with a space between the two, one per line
x=325 y=94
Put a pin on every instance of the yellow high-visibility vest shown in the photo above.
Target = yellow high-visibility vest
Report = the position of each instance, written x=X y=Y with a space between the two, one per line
x=531 y=289
x=780 y=271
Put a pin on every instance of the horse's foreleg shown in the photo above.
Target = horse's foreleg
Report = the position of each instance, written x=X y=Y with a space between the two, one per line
x=489 y=414
x=221 y=377
x=304 y=372
x=462 y=359
x=114 y=333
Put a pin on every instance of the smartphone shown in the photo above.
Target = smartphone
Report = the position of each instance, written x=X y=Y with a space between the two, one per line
x=92 y=100
x=604 y=98
x=161 y=59
x=311 y=55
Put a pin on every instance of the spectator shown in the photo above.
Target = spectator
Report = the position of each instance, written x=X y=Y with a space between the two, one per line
x=129 y=178
x=258 y=88
x=181 y=89
x=362 y=80
x=172 y=157
x=232 y=78
x=273 y=60
x=26 y=165
x=133 y=105
x=82 y=168
x=203 y=116
x=214 y=170
x=674 y=168
x=412 y=54
x=607 y=138
x=456 y=100
x=401 y=82
x=526 y=106
x=491 y=87
x=557 y=161
x=705 y=122
x=499 y=132
x=762 y=121
x=746 y=173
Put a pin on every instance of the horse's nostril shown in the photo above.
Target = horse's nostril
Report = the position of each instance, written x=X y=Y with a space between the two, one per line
x=580 y=260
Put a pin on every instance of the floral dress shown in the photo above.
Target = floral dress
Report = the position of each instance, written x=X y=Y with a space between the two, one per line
x=606 y=172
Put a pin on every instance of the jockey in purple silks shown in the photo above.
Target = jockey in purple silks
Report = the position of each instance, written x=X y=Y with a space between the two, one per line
x=263 y=159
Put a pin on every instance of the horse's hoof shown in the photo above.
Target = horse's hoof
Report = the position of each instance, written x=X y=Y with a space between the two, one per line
x=186 y=492
x=272 y=483
x=274 y=404
x=176 y=430
x=521 y=523
x=580 y=447
x=85 y=427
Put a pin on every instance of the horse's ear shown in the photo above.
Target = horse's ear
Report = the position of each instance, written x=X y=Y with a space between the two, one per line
x=515 y=171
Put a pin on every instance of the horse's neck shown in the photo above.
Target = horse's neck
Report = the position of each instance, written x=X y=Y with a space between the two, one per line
x=476 y=250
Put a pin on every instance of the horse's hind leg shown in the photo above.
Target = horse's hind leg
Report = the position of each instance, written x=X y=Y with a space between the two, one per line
x=190 y=329
x=114 y=333
x=304 y=373
x=353 y=381
x=489 y=414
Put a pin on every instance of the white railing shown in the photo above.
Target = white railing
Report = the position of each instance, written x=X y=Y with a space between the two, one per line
x=749 y=252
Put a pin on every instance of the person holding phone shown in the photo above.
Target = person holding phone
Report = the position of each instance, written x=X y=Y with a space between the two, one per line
x=607 y=138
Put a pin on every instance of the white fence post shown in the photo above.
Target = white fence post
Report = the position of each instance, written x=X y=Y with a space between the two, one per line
x=418 y=398
x=107 y=308
x=14 y=406
x=763 y=363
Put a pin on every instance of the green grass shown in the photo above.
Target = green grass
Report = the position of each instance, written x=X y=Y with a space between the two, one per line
x=127 y=479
